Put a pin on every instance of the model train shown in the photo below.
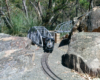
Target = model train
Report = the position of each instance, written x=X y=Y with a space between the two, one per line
x=42 y=37
x=48 y=44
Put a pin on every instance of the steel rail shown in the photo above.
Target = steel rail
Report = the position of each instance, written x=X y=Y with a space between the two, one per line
x=46 y=68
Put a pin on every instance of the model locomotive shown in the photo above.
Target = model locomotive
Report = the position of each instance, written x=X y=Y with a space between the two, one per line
x=48 y=44
x=42 y=37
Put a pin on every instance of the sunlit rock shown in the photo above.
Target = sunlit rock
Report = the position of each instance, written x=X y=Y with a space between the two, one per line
x=84 y=53
x=16 y=57
x=88 y=22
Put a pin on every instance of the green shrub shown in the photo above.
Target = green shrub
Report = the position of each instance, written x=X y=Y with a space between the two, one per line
x=20 y=23
x=84 y=3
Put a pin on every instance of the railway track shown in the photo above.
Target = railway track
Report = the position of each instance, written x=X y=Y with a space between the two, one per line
x=46 y=68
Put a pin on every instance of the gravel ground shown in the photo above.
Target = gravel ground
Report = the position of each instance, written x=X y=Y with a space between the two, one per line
x=54 y=62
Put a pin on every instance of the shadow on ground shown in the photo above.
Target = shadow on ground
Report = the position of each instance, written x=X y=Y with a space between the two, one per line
x=64 y=42
x=73 y=62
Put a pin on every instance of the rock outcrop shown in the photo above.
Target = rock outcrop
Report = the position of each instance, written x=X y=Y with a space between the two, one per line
x=90 y=22
x=16 y=57
x=10 y=42
x=84 y=53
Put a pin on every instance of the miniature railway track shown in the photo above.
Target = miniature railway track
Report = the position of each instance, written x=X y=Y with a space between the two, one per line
x=46 y=68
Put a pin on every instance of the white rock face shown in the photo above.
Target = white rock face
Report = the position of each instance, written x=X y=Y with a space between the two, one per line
x=16 y=58
x=84 y=51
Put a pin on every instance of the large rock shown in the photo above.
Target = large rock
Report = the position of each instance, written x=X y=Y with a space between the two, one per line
x=16 y=57
x=84 y=53
x=10 y=42
x=92 y=20
x=89 y=22
x=2 y=35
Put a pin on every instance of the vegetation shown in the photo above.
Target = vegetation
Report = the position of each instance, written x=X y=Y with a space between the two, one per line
x=17 y=16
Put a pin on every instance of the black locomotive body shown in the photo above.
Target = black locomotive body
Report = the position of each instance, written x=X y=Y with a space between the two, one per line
x=48 y=44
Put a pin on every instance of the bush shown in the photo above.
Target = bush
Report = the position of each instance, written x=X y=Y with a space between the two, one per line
x=20 y=23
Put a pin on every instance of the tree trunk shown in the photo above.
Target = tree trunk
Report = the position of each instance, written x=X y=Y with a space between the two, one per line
x=37 y=11
x=7 y=8
x=76 y=8
x=7 y=20
x=50 y=4
x=40 y=9
x=90 y=4
x=25 y=8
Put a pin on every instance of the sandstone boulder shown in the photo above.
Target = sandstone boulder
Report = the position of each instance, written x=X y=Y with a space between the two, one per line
x=84 y=53
x=89 y=22
x=10 y=42
x=16 y=57
x=2 y=35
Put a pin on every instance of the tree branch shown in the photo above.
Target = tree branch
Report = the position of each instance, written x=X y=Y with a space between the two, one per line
x=50 y=4
x=40 y=9
x=90 y=4
x=54 y=19
x=7 y=8
x=6 y=20
x=37 y=10
x=25 y=7
x=59 y=7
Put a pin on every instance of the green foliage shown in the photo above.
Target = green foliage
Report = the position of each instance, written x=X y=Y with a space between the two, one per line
x=18 y=22
x=17 y=3
x=21 y=24
x=61 y=10
x=84 y=3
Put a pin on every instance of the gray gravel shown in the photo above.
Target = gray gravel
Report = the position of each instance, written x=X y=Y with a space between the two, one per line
x=54 y=62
